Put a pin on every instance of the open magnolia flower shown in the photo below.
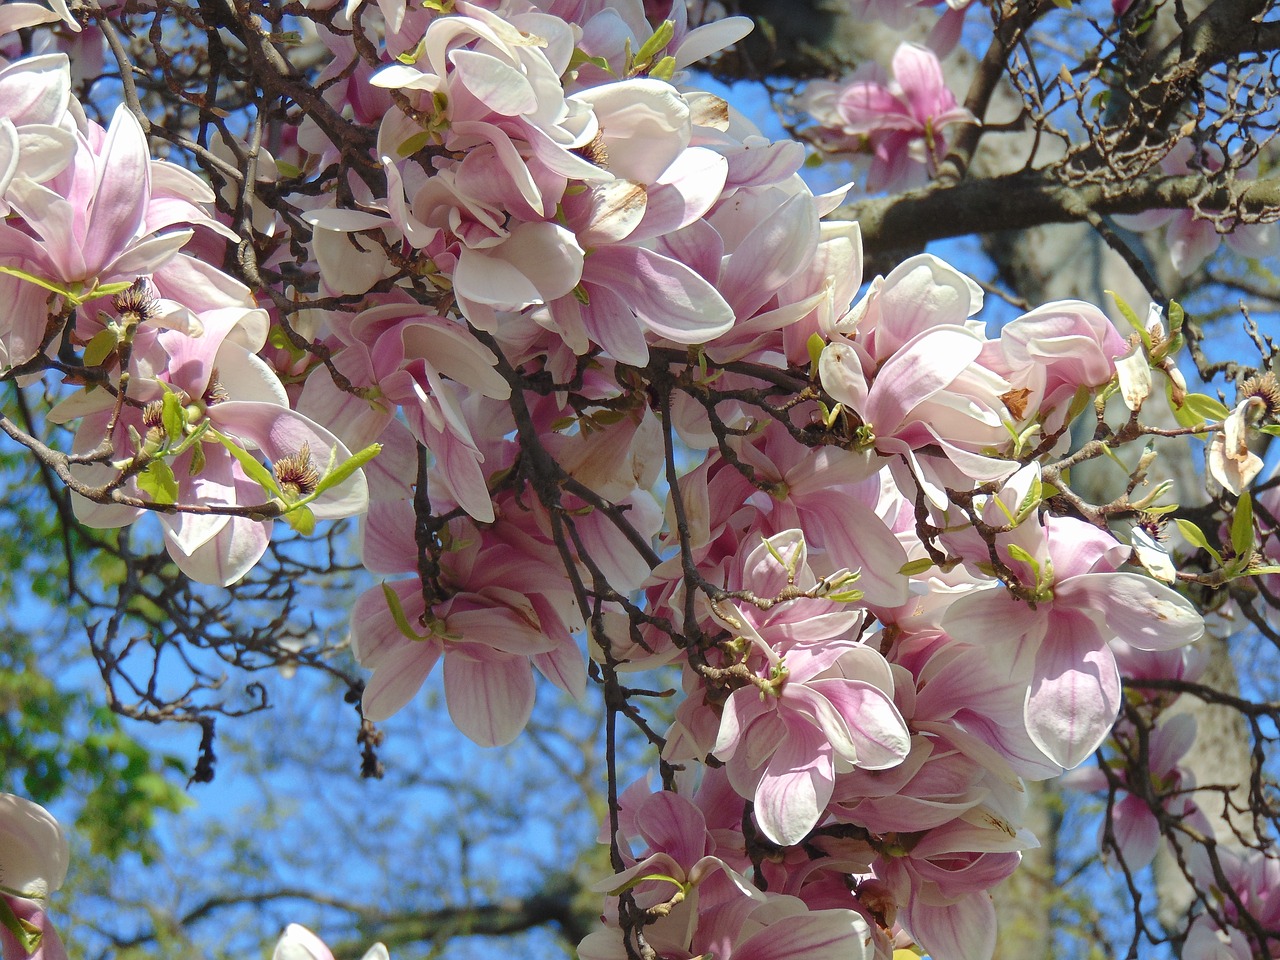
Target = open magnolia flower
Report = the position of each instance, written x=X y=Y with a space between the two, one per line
x=1229 y=458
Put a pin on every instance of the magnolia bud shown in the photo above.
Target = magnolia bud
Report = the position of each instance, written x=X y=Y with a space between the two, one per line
x=1135 y=377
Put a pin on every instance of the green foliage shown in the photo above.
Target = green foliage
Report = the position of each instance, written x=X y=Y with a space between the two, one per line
x=53 y=746
x=128 y=788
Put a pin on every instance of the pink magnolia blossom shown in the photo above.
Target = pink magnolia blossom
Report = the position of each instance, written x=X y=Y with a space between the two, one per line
x=503 y=612
x=1254 y=878
x=818 y=698
x=763 y=926
x=681 y=857
x=37 y=137
x=610 y=29
x=1060 y=637
x=835 y=496
x=1190 y=240
x=1131 y=820
x=89 y=226
x=905 y=366
x=1048 y=354
x=221 y=384
x=903 y=14
x=427 y=365
x=900 y=122
x=941 y=882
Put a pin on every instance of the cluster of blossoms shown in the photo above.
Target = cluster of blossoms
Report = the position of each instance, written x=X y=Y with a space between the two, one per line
x=177 y=406
x=561 y=275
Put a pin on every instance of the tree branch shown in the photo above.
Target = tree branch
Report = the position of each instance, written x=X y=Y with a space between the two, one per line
x=1023 y=200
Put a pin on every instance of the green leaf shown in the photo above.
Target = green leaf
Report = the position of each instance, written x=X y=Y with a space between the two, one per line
x=1196 y=409
x=345 y=469
x=158 y=482
x=196 y=465
x=1271 y=429
x=44 y=284
x=27 y=936
x=655 y=44
x=664 y=69
x=414 y=144
x=100 y=347
x=409 y=58
x=1126 y=311
x=398 y=614
x=845 y=596
x=1195 y=536
x=1032 y=500
x=106 y=290
x=1176 y=316
x=580 y=57
x=1004 y=508
x=1080 y=402
x=1018 y=553
x=173 y=416
x=252 y=466
x=815 y=345
x=301 y=519
x=1242 y=526
x=1205 y=407
x=913 y=567
x=607 y=418
x=636 y=881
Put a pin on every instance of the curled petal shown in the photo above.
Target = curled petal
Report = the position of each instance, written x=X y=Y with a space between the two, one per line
x=1145 y=614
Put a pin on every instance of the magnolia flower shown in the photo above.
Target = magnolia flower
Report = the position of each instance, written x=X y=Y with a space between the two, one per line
x=33 y=849
x=222 y=388
x=299 y=943
x=36 y=138
x=1229 y=459
x=900 y=121
x=1131 y=822
x=1152 y=550
x=1190 y=239
x=90 y=224
x=1080 y=603
x=1048 y=354
x=1254 y=879
x=504 y=611
x=33 y=863
x=817 y=700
